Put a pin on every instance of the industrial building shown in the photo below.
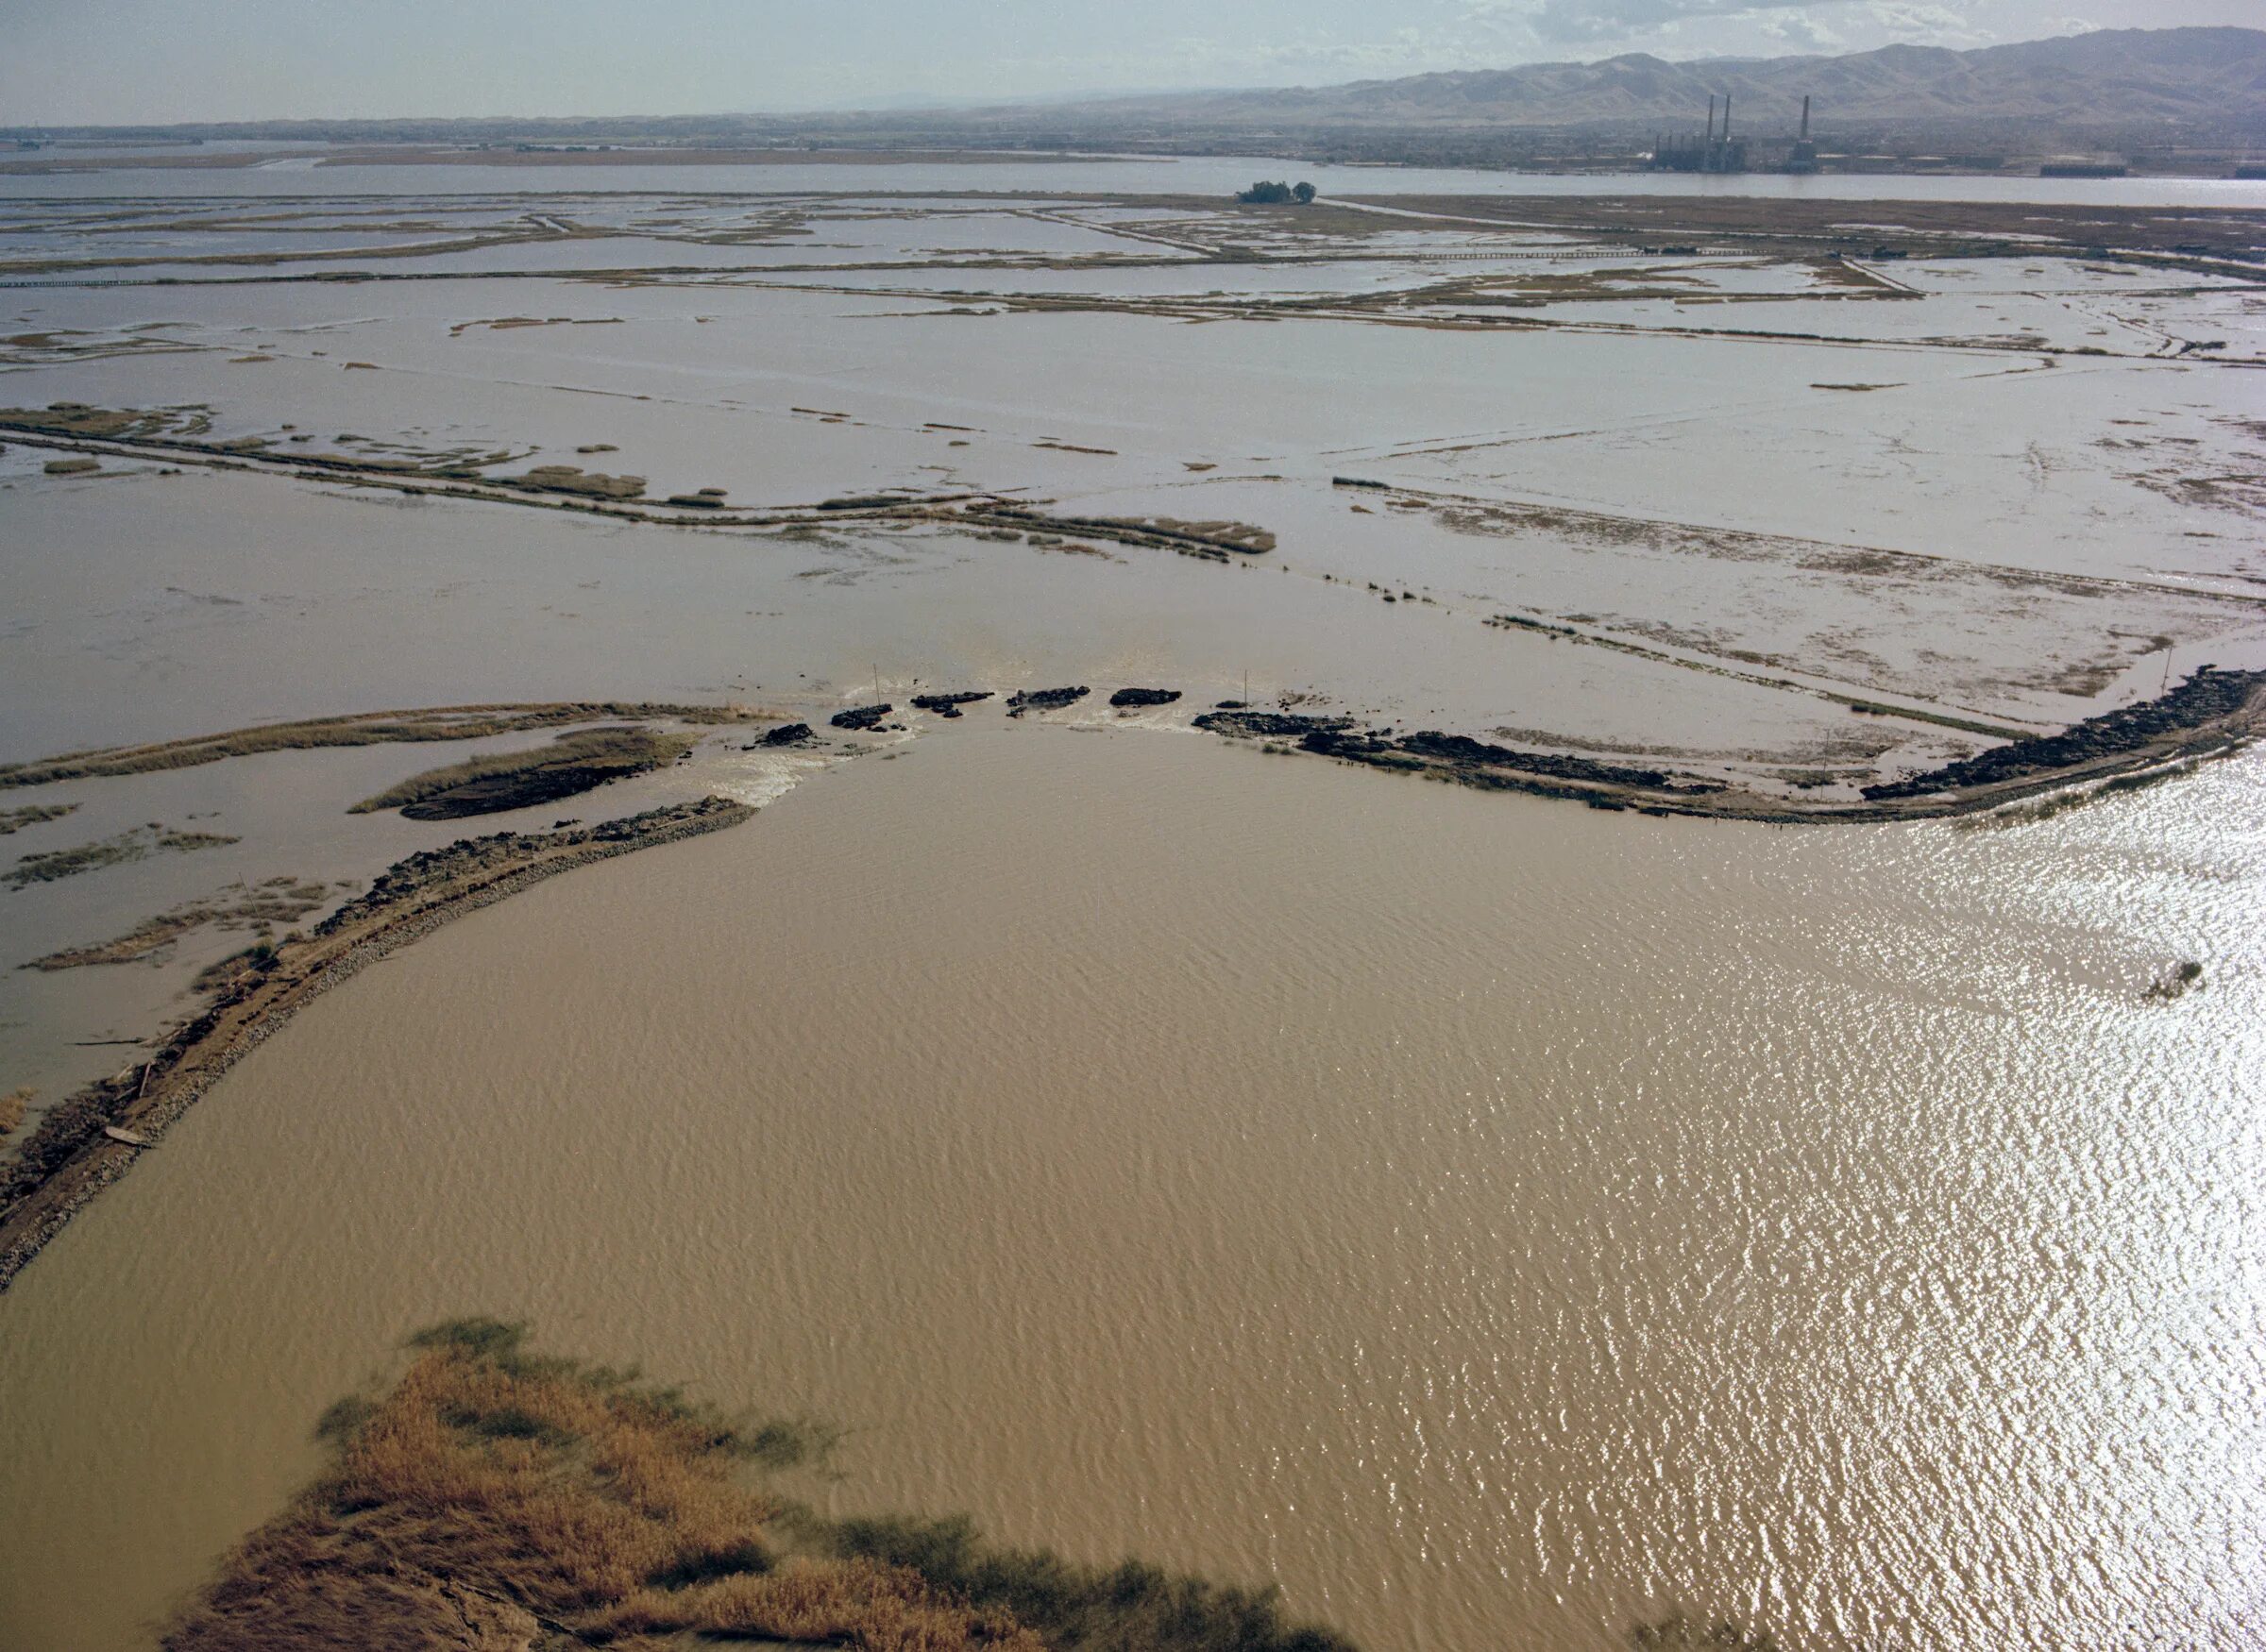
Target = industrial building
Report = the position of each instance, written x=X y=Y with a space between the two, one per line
x=1719 y=151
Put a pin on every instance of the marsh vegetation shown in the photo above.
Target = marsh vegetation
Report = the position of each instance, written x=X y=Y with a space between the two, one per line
x=494 y=1496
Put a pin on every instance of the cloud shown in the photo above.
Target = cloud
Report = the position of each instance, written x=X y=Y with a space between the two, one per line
x=1580 y=22
x=1799 y=32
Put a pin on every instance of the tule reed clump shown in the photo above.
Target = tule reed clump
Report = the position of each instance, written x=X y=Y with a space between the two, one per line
x=499 y=1498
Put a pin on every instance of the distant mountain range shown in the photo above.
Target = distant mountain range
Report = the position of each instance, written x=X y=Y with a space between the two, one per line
x=2129 y=89
x=2113 y=79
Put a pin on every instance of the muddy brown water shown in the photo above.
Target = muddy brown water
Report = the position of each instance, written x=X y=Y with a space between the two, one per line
x=1503 y=1225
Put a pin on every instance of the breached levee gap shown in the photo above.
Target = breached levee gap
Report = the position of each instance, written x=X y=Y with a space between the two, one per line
x=68 y=1158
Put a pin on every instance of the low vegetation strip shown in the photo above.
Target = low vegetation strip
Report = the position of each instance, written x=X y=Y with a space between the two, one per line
x=454 y=722
x=496 y=1498
x=66 y=1159
x=572 y=764
x=277 y=900
x=48 y=866
x=14 y=820
x=171 y=436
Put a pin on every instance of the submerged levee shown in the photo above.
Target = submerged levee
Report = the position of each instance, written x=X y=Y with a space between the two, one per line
x=85 y=1143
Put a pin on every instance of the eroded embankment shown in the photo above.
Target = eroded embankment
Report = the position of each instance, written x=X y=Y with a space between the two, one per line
x=90 y=1141
x=2211 y=712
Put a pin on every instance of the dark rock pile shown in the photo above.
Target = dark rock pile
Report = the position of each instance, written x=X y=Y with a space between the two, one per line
x=2208 y=695
x=1045 y=700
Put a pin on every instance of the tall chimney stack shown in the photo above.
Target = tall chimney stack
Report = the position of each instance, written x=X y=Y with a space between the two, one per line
x=1727 y=117
x=1711 y=118
x=1805 y=118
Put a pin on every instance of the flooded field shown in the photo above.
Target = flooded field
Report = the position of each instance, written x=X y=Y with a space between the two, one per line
x=1498 y=1221
x=1547 y=1227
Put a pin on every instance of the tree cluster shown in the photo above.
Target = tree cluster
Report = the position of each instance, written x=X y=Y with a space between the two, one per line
x=1276 y=195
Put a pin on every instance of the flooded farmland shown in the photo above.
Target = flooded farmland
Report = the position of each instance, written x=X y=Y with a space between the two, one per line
x=1547 y=1227
x=1146 y=1113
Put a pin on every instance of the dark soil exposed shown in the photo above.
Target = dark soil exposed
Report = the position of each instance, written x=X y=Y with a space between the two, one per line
x=948 y=705
x=2208 y=695
x=572 y=763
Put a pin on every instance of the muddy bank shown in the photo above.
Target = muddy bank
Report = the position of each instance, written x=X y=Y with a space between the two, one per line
x=67 y=1159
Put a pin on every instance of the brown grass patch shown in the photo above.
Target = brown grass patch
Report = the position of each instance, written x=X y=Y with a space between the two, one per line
x=76 y=418
x=14 y=820
x=277 y=900
x=570 y=478
x=497 y=1499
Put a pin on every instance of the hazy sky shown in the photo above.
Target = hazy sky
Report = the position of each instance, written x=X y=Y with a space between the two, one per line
x=66 y=61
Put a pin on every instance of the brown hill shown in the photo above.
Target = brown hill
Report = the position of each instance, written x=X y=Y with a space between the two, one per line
x=2113 y=79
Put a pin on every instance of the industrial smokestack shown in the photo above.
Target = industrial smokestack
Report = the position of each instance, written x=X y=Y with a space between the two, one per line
x=1711 y=118
x=1727 y=117
x=1805 y=118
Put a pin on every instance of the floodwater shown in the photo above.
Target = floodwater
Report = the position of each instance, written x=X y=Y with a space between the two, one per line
x=1503 y=1224
x=302 y=174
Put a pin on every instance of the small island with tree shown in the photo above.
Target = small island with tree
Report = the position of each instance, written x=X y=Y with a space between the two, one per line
x=1276 y=195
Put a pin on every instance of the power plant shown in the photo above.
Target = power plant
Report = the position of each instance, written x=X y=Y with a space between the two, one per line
x=1804 y=154
x=1719 y=151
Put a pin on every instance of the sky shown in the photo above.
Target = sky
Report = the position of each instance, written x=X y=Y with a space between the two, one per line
x=152 y=62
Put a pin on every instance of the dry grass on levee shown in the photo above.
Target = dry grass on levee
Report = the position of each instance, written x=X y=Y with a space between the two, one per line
x=441 y=723
x=496 y=1499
